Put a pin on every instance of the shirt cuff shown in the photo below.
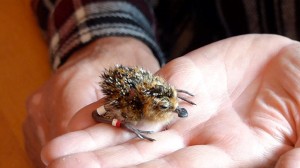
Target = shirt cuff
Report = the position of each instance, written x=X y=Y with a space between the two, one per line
x=73 y=24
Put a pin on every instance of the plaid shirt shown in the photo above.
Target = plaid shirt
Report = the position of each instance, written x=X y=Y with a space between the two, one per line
x=71 y=24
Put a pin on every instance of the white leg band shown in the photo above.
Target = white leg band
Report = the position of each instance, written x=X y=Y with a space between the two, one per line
x=114 y=122
x=101 y=110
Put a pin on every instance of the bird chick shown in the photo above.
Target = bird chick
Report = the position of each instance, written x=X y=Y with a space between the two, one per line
x=135 y=97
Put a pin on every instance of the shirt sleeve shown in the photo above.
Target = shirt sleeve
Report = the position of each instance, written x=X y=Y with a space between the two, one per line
x=71 y=24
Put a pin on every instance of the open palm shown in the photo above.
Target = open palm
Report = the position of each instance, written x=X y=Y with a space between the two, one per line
x=75 y=85
x=247 y=115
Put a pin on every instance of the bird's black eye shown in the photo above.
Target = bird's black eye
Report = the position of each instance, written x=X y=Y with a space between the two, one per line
x=164 y=106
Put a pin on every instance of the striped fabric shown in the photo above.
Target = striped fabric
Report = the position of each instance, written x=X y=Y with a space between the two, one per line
x=182 y=25
x=71 y=24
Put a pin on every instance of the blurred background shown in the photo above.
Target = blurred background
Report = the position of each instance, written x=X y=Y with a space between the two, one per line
x=24 y=66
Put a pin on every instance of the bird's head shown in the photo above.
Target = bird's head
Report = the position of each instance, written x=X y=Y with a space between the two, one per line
x=162 y=103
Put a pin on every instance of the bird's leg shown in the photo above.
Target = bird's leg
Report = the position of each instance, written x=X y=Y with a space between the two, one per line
x=145 y=132
x=100 y=118
x=138 y=132
x=184 y=99
x=184 y=91
x=118 y=123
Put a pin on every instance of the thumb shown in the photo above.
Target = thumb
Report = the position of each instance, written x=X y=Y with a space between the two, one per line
x=289 y=159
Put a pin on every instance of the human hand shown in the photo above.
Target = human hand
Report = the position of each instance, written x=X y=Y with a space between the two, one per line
x=75 y=85
x=247 y=115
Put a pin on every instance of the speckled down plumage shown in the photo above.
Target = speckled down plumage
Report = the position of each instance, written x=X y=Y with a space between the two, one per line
x=137 y=94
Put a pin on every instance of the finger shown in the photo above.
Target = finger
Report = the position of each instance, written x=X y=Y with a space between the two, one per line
x=30 y=139
x=193 y=156
x=131 y=153
x=289 y=159
x=83 y=118
x=92 y=138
